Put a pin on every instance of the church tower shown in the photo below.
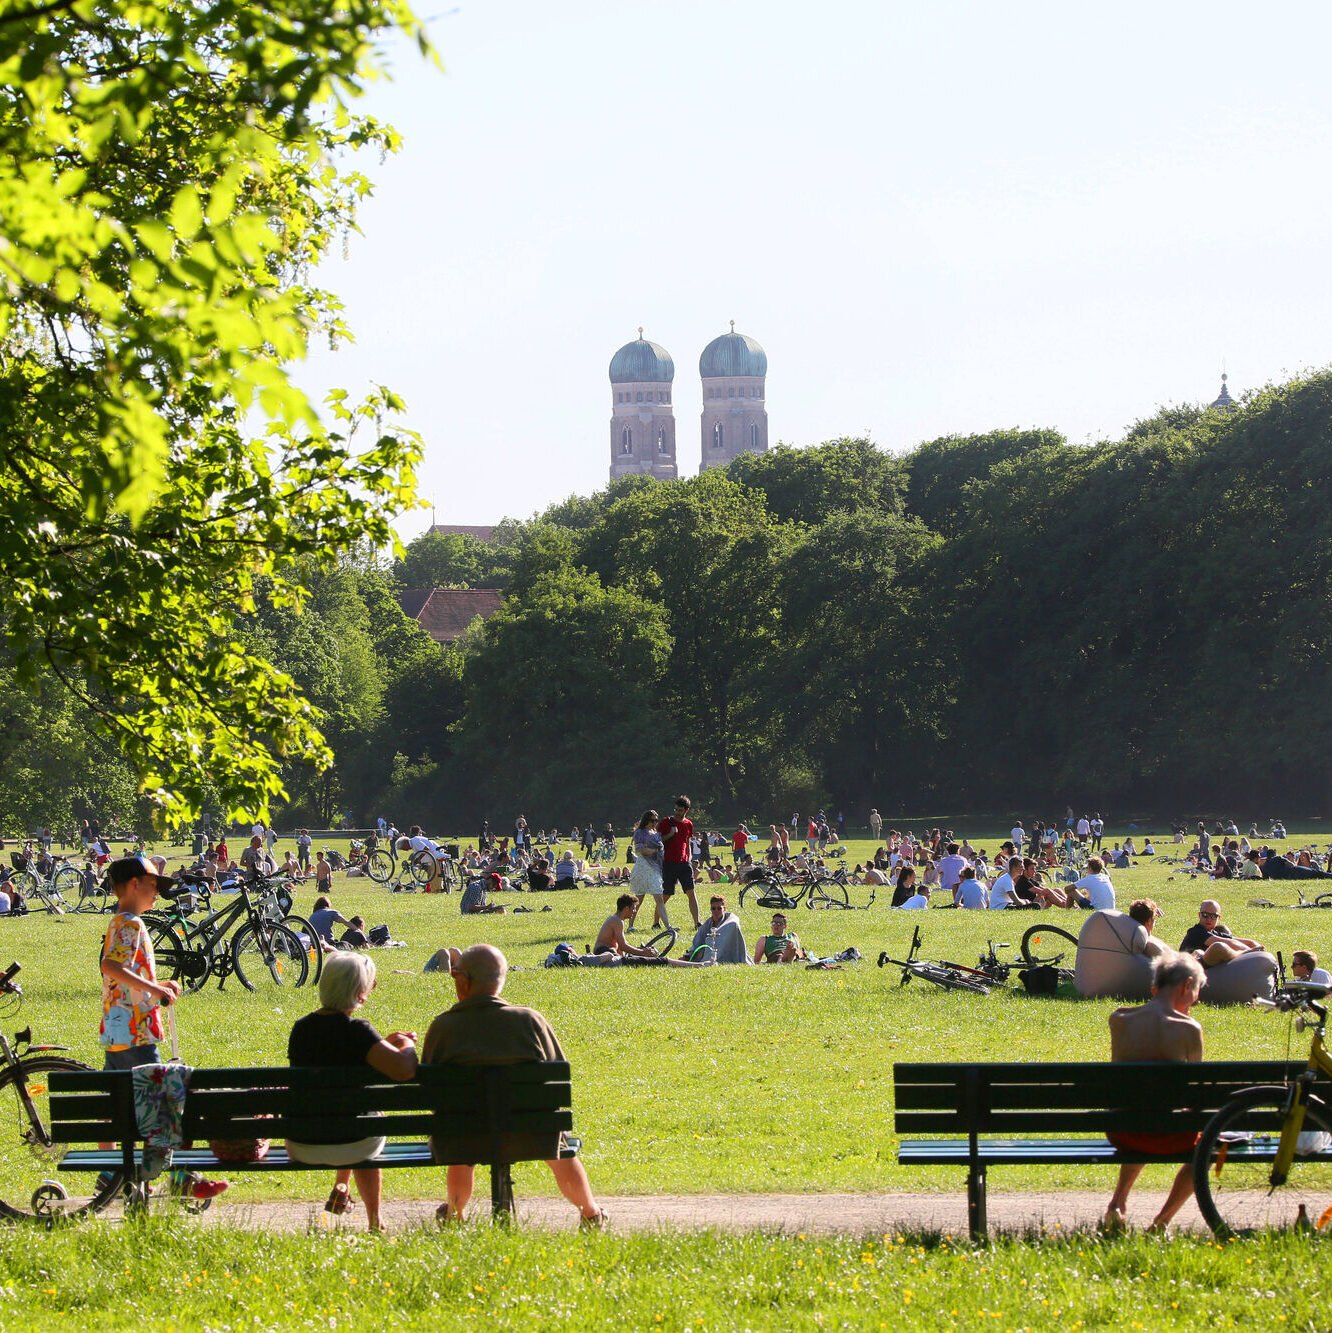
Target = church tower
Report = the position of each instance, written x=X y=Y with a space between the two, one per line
x=1223 y=401
x=734 y=370
x=642 y=419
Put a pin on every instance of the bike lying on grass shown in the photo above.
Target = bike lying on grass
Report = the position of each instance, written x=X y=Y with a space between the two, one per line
x=948 y=975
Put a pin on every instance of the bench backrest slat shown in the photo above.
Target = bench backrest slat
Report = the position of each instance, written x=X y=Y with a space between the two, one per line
x=329 y=1105
x=1011 y=1099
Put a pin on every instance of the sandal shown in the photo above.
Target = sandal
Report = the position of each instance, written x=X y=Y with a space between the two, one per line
x=339 y=1201
x=444 y=1215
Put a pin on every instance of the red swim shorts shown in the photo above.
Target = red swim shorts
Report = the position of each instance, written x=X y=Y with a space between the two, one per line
x=1159 y=1145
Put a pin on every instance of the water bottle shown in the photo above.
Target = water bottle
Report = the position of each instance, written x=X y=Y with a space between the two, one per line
x=712 y=943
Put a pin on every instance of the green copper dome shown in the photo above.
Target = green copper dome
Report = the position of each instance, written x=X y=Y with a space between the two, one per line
x=642 y=362
x=732 y=354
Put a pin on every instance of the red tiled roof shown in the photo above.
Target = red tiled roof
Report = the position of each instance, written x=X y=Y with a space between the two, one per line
x=444 y=613
x=482 y=534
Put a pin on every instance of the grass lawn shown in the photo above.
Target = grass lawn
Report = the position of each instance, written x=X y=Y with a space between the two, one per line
x=699 y=1281
x=721 y=1080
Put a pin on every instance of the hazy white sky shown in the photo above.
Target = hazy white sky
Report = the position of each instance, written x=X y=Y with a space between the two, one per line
x=936 y=218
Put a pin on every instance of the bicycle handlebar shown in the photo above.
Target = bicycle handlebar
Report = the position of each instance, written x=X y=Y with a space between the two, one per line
x=8 y=986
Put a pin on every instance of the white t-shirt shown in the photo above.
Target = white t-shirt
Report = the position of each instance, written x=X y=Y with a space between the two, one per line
x=1320 y=976
x=5 y=903
x=1001 y=891
x=422 y=843
x=971 y=894
x=950 y=871
x=1100 y=892
x=1084 y=828
x=1018 y=835
x=1097 y=827
x=917 y=900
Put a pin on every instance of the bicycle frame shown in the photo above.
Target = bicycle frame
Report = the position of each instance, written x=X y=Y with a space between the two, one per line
x=1292 y=1125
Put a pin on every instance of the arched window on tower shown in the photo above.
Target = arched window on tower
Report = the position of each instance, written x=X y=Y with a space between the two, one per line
x=753 y=435
x=661 y=443
x=626 y=441
x=717 y=436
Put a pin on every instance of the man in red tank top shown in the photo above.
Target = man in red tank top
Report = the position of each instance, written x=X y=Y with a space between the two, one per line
x=676 y=830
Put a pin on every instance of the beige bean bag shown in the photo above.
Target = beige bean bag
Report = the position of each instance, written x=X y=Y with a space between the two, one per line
x=1111 y=962
x=1111 y=959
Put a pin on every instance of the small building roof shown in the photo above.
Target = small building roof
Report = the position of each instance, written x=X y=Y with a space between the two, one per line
x=482 y=532
x=444 y=613
x=1223 y=400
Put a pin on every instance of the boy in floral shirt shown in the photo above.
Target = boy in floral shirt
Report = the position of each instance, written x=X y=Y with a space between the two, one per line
x=132 y=996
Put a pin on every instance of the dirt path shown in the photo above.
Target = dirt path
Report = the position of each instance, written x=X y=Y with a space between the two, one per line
x=859 y=1214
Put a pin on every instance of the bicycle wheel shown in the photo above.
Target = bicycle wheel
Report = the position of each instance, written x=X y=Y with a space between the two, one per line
x=1236 y=1195
x=310 y=940
x=169 y=949
x=1323 y=900
x=29 y=1187
x=664 y=941
x=380 y=865
x=269 y=957
x=826 y=893
x=67 y=880
x=757 y=889
x=421 y=866
x=1040 y=942
x=948 y=979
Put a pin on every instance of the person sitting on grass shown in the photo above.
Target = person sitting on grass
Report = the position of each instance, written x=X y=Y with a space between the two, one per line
x=1161 y=1029
x=331 y=1038
x=720 y=930
x=610 y=938
x=323 y=917
x=1305 y=967
x=779 y=945
x=566 y=872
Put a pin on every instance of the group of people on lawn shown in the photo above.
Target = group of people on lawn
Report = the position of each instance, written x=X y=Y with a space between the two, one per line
x=481 y=1028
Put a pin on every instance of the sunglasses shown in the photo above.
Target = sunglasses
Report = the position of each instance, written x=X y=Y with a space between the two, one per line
x=1209 y=916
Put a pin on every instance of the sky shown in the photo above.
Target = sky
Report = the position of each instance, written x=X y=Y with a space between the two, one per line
x=936 y=218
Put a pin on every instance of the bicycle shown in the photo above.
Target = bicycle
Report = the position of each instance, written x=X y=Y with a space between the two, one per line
x=990 y=968
x=47 y=887
x=94 y=895
x=261 y=951
x=947 y=975
x=1247 y=1155
x=814 y=890
x=382 y=866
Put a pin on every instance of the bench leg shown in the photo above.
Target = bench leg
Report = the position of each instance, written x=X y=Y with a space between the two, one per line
x=977 y=1221
x=501 y=1193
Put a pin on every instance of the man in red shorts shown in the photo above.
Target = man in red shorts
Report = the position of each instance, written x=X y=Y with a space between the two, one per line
x=676 y=870
x=1161 y=1029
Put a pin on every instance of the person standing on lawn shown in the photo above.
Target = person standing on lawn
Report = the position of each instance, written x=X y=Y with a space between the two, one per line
x=132 y=996
x=676 y=869
x=1161 y=1029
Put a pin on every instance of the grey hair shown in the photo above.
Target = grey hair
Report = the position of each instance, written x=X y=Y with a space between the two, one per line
x=485 y=966
x=1174 y=969
x=346 y=980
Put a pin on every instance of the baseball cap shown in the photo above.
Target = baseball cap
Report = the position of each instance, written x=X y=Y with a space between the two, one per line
x=130 y=867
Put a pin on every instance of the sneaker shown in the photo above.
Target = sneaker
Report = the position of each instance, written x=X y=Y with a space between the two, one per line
x=599 y=1221
x=208 y=1189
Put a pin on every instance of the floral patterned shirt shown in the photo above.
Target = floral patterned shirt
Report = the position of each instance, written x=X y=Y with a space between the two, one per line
x=129 y=1016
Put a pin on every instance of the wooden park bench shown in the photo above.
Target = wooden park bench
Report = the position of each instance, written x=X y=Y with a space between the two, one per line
x=472 y=1112
x=1058 y=1114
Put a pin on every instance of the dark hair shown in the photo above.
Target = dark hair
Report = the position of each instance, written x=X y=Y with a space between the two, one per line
x=320 y=902
x=649 y=816
x=953 y=848
x=625 y=900
x=903 y=873
x=682 y=803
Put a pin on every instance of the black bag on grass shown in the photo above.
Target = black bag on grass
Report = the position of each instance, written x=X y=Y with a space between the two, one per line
x=1043 y=980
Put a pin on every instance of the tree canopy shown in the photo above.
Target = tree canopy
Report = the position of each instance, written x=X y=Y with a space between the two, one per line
x=167 y=183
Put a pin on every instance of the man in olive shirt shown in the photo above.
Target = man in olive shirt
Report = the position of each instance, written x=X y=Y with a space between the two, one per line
x=481 y=1029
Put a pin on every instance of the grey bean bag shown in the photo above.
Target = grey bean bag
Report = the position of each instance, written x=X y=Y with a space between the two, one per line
x=1111 y=960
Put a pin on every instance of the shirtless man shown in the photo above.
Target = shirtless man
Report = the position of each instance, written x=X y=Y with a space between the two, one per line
x=611 y=944
x=1161 y=1029
x=610 y=938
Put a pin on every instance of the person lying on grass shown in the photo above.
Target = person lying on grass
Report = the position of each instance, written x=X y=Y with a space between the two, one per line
x=1161 y=1029
x=613 y=948
x=779 y=945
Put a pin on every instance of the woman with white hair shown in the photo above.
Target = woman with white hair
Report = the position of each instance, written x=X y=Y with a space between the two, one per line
x=331 y=1038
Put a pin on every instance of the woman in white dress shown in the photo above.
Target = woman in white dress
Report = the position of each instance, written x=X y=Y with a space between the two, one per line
x=646 y=877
